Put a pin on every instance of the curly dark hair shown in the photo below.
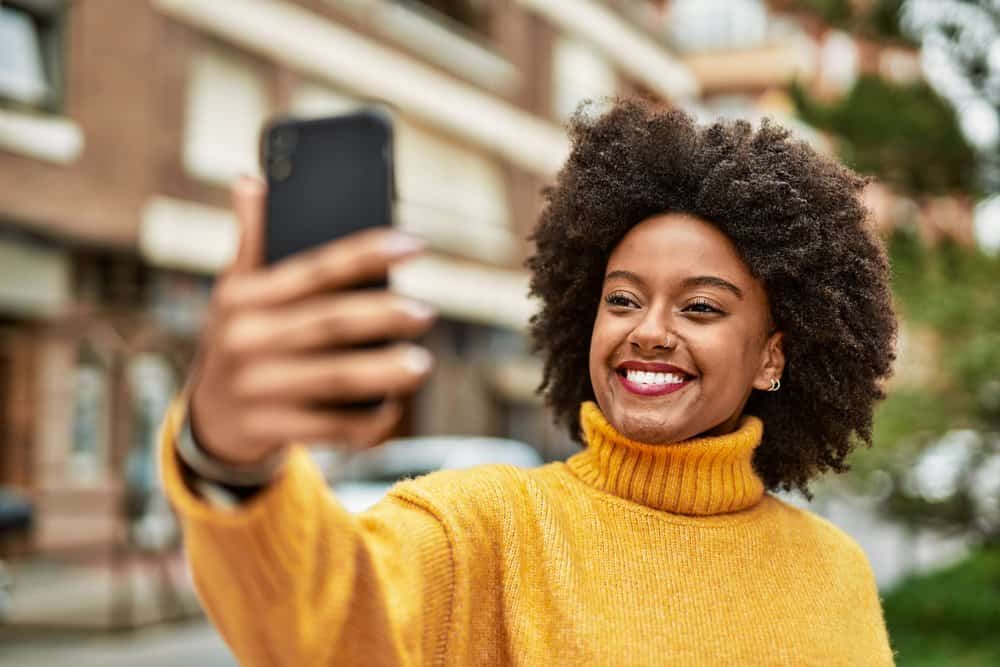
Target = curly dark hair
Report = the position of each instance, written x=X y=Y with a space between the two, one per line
x=796 y=219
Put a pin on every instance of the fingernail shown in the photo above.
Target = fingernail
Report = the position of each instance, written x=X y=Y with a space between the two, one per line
x=403 y=244
x=418 y=360
x=418 y=310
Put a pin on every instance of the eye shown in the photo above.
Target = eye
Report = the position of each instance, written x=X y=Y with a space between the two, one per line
x=620 y=300
x=702 y=306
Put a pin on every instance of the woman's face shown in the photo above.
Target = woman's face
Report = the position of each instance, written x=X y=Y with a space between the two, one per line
x=682 y=333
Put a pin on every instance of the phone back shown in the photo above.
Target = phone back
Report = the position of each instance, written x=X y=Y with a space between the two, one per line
x=327 y=178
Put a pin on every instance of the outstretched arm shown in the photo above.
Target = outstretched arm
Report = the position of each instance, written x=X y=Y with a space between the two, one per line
x=291 y=578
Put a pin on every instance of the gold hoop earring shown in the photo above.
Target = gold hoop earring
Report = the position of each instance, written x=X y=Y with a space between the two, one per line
x=775 y=385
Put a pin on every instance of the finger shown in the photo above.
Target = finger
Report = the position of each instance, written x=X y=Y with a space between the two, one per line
x=328 y=321
x=289 y=423
x=361 y=431
x=249 y=195
x=354 y=260
x=345 y=376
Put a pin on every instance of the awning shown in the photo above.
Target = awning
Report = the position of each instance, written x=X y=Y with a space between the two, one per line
x=34 y=280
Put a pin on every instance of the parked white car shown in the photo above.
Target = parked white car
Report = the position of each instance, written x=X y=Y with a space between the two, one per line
x=363 y=478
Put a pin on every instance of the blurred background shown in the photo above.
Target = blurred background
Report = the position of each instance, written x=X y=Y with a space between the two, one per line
x=123 y=121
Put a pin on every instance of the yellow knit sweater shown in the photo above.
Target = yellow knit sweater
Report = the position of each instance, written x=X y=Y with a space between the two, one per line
x=626 y=554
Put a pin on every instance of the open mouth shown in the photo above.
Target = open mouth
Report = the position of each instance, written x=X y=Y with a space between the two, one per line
x=653 y=380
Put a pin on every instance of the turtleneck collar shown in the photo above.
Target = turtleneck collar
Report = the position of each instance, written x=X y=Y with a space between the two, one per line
x=702 y=476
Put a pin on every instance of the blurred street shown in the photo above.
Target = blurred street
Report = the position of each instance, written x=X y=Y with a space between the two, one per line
x=188 y=645
x=88 y=596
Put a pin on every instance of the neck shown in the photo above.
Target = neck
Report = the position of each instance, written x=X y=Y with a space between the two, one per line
x=712 y=474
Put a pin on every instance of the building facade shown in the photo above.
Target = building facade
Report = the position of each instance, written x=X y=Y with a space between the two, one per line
x=121 y=126
x=123 y=123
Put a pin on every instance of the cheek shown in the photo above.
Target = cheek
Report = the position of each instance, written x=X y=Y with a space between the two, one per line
x=604 y=340
x=597 y=353
x=727 y=353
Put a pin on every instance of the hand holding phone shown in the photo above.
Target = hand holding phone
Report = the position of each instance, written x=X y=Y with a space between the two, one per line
x=281 y=341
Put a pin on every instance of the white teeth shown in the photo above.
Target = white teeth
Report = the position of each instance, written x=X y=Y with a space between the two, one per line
x=643 y=377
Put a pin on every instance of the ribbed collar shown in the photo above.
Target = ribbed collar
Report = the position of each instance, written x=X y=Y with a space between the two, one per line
x=702 y=476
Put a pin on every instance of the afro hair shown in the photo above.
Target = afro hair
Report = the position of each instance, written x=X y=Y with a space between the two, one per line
x=796 y=219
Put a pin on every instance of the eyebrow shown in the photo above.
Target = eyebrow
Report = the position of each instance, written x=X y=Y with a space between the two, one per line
x=627 y=275
x=693 y=281
x=713 y=281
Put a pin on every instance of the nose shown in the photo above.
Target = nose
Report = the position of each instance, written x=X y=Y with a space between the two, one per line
x=653 y=332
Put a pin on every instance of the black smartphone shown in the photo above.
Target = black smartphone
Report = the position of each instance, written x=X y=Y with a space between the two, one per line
x=327 y=178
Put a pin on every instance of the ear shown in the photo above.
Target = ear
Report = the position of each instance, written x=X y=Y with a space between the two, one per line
x=772 y=363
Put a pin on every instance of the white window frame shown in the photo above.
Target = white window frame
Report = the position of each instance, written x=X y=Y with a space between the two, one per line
x=227 y=103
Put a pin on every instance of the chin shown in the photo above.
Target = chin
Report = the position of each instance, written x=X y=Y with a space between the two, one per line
x=649 y=429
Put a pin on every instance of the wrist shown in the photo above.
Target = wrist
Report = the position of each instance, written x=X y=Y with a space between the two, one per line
x=212 y=468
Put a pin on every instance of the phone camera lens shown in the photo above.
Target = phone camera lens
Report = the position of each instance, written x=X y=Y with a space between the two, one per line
x=284 y=140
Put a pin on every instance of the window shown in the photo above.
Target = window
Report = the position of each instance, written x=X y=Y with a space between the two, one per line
x=34 y=279
x=705 y=25
x=151 y=385
x=578 y=73
x=88 y=451
x=449 y=194
x=226 y=106
x=457 y=39
x=32 y=53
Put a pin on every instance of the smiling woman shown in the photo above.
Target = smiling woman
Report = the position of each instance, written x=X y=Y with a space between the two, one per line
x=715 y=324
x=738 y=257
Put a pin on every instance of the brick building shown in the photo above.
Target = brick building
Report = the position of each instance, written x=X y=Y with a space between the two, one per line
x=122 y=123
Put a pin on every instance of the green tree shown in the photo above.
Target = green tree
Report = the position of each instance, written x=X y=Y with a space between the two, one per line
x=907 y=135
x=950 y=617
x=956 y=292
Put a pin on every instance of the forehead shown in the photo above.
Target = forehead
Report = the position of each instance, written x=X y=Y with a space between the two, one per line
x=677 y=245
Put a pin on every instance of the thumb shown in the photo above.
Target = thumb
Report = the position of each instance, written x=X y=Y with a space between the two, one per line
x=249 y=195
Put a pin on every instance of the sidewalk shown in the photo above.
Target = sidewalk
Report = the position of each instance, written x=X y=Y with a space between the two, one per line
x=50 y=593
x=184 y=645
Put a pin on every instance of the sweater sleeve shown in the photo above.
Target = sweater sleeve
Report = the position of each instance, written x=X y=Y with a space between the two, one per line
x=856 y=601
x=291 y=578
x=872 y=637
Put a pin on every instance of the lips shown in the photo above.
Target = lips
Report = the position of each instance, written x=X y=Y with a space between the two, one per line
x=652 y=379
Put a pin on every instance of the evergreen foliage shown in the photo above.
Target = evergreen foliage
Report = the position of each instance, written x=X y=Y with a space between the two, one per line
x=949 y=617
x=954 y=291
x=879 y=20
x=906 y=135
